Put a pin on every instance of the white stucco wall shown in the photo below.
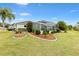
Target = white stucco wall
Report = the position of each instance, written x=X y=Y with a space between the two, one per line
x=20 y=26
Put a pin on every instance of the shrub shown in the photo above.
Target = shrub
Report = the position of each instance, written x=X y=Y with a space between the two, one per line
x=11 y=29
x=21 y=29
x=65 y=31
x=70 y=27
x=33 y=30
x=45 y=32
x=58 y=30
x=54 y=31
x=37 y=32
x=18 y=31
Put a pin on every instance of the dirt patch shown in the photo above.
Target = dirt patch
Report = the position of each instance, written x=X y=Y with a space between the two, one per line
x=34 y=43
x=19 y=35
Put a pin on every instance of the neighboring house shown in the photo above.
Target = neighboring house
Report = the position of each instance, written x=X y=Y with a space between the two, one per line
x=18 y=25
x=77 y=25
x=40 y=25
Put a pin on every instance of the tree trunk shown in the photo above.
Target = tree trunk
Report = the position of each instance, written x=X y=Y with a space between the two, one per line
x=3 y=28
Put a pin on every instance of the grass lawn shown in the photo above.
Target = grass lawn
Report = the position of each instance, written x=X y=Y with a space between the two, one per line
x=66 y=44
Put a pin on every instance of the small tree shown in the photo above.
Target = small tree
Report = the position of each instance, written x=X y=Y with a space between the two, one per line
x=6 y=13
x=62 y=26
x=70 y=27
x=29 y=26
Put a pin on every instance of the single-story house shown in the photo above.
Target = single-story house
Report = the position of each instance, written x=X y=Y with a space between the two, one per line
x=39 y=25
x=44 y=25
x=18 y=25
x=77 y=25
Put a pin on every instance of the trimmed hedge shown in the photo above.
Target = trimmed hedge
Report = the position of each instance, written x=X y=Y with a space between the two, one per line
x=45 y=32
x=18 y=31
x=11 y=29
x=56 y=31
x=37 y=32
x=22 y=29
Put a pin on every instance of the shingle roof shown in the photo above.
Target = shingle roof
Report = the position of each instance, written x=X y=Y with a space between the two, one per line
x=24 y=22
x=42 y=22
x=46 y=22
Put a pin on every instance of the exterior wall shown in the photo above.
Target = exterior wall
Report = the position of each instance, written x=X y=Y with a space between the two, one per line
x=40 y=26
x=12 y=26
x=77 y=26
x=20 y=26
x=36 y=26
x=49 y=27
x=53 y=27
x=43 y=27
x=16 y=26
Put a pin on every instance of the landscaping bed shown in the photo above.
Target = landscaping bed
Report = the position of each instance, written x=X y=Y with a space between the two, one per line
x=19 y=35
x=47 y=37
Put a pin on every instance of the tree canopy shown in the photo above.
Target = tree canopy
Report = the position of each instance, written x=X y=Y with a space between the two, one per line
x=6 y=13
x=62 y=25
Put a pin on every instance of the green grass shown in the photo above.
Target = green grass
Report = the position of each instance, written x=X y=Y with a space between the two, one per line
x=66 y=44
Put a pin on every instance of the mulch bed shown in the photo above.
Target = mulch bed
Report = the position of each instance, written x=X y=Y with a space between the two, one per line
x=48 y=37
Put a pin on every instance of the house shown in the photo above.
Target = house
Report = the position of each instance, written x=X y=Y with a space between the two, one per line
x=44 y=25
x=39 y=25
x=77 y=25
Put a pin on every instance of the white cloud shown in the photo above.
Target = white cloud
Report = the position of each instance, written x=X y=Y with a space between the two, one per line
x=54 y=18
x=71 y=11
x=24 y=4
x=25 y=14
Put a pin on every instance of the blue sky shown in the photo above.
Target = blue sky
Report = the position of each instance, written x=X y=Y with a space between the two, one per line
x=44 y=11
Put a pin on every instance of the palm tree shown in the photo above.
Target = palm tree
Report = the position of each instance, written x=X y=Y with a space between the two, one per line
x=6 y=13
